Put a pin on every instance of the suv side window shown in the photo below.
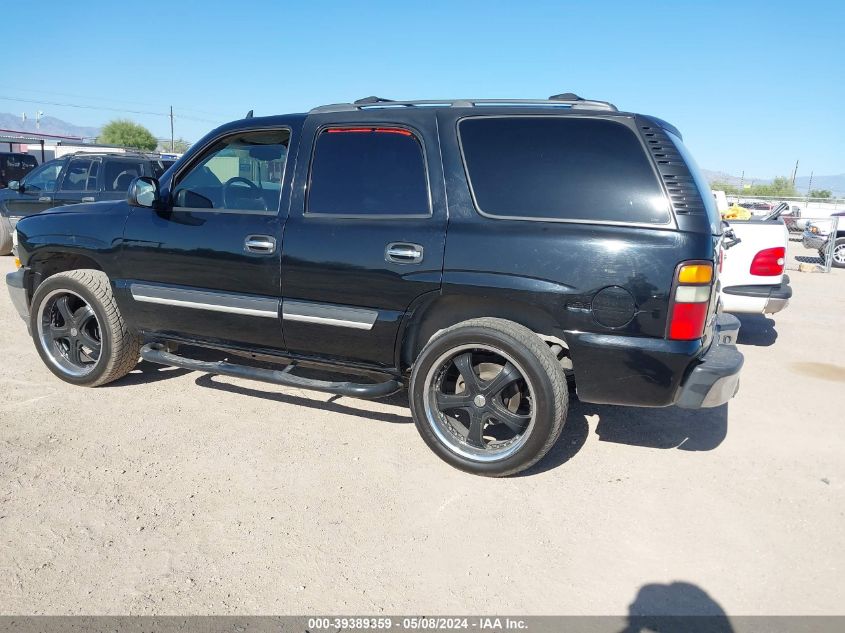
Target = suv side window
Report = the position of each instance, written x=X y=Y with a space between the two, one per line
x=372 y=171
x=118 y=174
x=43 y=178
x=241 y=172
x=81 y=175
x=560 y=168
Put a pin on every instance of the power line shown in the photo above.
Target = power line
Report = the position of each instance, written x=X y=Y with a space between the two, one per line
x=104 y=108
x=78 y=96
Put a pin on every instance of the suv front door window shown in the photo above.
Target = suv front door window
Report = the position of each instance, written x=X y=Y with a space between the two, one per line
x=239 y=173
x=44 y=178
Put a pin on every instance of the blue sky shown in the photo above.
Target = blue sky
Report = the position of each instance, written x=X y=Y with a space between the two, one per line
x=752 y=85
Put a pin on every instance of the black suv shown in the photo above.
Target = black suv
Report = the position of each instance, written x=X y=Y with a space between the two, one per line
x=74 y=178
x=483 y=254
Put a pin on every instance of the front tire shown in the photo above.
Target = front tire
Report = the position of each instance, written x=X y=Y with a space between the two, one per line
x=489 y=397
x=78 y=329
x=838 y=259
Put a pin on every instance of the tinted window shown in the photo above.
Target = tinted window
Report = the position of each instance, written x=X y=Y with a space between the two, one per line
x=371 y=171
x=44 y=178
x=118 y=174
x=561 y=168
x=77 y=175
x=241 y=172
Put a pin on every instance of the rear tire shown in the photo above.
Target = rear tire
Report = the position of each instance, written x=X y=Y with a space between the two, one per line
x=78 y=329
x=489 y=397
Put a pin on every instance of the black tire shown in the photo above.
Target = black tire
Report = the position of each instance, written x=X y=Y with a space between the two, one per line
x=544 y=382
x=119 y=348
x=5 y=236
x=838 y=245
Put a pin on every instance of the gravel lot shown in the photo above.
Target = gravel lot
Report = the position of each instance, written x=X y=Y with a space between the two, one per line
x=173 y=492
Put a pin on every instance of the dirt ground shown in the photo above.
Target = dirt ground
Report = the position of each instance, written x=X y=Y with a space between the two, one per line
x=173 y=492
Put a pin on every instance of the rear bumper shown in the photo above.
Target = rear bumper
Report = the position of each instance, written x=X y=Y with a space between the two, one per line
x=652 y=372
x=715 y=379
x=767 y=299
x=17 y=291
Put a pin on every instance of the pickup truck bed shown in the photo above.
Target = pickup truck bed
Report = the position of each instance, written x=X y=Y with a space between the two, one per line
x=752 y=279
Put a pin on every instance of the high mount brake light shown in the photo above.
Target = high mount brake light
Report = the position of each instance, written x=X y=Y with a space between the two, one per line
x=377 y=130
x=769 y=262
x=690 y=300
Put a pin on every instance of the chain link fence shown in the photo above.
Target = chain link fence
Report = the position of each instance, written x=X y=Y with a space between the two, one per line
x=813 y=228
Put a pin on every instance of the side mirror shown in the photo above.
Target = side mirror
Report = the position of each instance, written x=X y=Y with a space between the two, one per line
x=143 y=192
x=14 y=185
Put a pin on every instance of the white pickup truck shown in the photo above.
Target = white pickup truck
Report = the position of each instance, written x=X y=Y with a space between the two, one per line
x=753 y=259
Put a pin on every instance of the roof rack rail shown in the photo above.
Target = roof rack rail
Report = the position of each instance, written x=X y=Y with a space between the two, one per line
x=128 y=152
x=567 y=99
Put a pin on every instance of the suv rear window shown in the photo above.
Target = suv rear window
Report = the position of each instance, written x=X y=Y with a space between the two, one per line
x=560 y=168
x=368 y=171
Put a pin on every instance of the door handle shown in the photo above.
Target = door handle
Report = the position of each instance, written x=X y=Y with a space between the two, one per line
x=263 y=244
x=403 y=253
x=45 y=199
x=88 y=199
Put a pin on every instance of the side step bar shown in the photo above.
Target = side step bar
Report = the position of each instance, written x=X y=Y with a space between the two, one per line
x=155 y=353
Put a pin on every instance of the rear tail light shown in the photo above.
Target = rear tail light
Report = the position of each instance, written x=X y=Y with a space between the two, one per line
x=769 y=262
x=690 y=300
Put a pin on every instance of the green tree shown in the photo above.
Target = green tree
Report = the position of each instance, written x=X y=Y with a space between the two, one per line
x=180 y=146
x=127 y=134
x=780 y=187
x=821 y=193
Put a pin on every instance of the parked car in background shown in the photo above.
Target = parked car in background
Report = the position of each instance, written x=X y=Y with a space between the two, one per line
x=14 y=166
x=753 y=260
x=81 y=177
x=478 y=252
x=817 y=235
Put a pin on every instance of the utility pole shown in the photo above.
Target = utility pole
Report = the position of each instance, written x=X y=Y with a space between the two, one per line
x=742 y=182
x=171 y=129
x=794 y=173
x=38 y=115
x=810 y=186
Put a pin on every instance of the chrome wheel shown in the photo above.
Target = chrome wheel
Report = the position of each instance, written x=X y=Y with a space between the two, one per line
x=839 y=254
x=69 y=332
x=479 y=403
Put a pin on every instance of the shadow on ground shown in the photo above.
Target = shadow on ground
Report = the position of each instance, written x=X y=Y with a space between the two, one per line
x=756 y=329
x=333 y=405
x=676 y=607
x=682 y=429
x=145 y=372
x=666 y=428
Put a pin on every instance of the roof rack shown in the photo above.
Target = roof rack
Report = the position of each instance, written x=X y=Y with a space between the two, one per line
x=566 y=100
x=128 y=152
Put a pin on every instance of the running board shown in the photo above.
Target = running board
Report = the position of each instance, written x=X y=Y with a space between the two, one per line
x=155 y=353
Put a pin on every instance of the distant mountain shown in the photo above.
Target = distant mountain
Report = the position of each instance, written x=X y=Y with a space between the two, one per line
x=49 y=125
x=836 y=183
x=720 y=176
